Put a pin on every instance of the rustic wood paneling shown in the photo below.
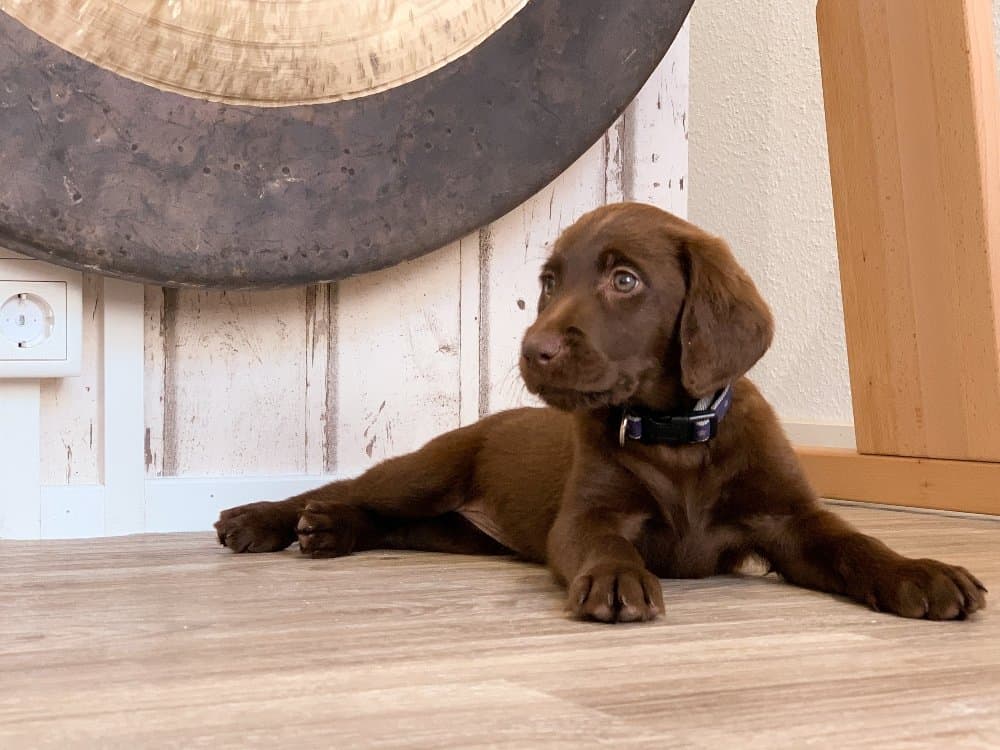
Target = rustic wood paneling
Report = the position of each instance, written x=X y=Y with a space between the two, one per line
x=472 y=324
x=286 y=346
x=657 y=134
x=321 y=343
x=153 y=381
x=397 y=360
x=235 y=382
x=71 y=424
x=513 y=250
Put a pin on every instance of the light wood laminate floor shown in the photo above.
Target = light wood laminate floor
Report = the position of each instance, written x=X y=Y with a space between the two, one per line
x=171 y=641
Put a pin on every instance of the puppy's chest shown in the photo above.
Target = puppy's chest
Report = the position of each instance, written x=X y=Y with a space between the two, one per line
x=680 y=537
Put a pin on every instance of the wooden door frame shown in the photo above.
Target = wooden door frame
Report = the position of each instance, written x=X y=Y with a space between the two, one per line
x=913 y=129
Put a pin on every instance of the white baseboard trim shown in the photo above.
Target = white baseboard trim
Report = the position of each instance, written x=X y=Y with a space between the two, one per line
x=20 y=459
x=171 y=504
x=193 y=503
x=73 y=511
x=821 y=435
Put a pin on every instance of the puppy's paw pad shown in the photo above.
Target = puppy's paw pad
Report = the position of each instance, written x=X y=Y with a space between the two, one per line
x=256 y=527
x=328 y=529
x=927 y=589
x=616 y=594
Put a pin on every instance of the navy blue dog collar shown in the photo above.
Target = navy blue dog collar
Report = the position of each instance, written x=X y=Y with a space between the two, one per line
x=697 y=426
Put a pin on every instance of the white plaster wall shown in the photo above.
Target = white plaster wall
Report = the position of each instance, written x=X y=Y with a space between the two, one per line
x=760 y=178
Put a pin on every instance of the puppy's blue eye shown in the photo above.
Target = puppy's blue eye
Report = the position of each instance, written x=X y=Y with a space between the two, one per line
x=548 y=284
x=624 y=281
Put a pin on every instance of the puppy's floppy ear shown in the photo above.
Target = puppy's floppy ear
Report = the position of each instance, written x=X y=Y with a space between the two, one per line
x=725 y=326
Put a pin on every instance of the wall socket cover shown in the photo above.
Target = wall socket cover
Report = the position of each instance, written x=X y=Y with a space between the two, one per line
x=26 y=319
x=41 y=319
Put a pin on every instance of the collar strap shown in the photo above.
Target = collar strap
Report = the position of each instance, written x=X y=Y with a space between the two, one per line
x=697 y=426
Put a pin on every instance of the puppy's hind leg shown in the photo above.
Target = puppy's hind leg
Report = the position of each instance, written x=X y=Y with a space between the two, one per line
x=333 y=529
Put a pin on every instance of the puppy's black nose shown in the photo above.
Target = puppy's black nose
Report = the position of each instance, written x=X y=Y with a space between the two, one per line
x=542 y=348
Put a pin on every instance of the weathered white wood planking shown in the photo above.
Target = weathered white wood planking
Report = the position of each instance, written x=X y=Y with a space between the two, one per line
x=645 y=152
x=294 y=381
x=321 y=339
x=71 y=423
x=397 y=359
x=472 y=348
x=155 y=362
x=513 y=249
x=161 y=373
x=234 y=382
x=122 y=340
x=658 y=130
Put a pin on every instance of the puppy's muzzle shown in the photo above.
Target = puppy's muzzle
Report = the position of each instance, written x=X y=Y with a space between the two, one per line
x=543 y=349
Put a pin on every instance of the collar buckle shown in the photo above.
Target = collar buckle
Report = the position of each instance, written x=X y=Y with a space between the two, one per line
x=631 y=428
x=697 y=426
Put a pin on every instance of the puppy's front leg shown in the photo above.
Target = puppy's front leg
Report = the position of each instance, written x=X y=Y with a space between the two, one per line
x=816 y=549
x=607 y=578
x=353 y=514
x=259 y=527
x=329 y=521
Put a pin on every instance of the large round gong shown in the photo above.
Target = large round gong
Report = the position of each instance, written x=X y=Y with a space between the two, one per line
x=273 y=142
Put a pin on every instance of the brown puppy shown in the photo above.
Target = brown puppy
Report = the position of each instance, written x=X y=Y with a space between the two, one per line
x=641 y=315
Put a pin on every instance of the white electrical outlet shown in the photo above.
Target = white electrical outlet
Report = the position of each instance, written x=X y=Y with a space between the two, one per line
x=41 y=319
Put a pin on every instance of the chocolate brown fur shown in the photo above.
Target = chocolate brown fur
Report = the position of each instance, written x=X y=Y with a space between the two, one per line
x=554 y=486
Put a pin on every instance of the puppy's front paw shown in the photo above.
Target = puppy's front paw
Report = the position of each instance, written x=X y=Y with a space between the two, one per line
x=331 y=529
x=257 y=527
x=616 y=593
x=926 y=589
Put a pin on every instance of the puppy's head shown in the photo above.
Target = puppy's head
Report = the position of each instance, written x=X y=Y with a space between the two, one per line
x=640 y=306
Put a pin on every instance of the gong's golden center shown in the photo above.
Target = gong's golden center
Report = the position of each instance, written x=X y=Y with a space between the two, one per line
x=267 y=52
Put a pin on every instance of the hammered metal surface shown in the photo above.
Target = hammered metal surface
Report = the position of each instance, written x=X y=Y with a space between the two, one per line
x=268 y=54
x=103 y=173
